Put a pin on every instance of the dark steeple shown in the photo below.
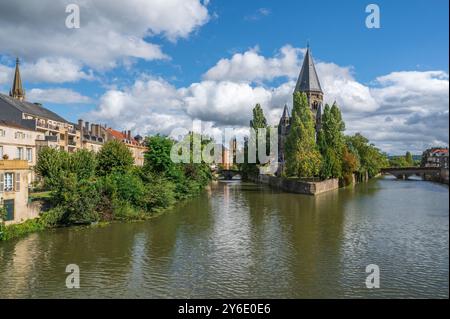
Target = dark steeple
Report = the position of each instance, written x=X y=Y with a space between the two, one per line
x=17 y=91
x=308 y=81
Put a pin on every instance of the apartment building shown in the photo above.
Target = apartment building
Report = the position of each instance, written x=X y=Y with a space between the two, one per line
x=18 y=142
x=56 y=131
x=134 y=144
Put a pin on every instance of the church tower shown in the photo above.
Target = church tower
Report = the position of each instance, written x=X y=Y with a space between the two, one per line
x=17 y=91
x=308 y=83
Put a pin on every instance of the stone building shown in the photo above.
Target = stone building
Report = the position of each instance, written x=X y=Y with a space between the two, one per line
x=14 y=190
x=308 y=83
x=435 y=157
x=56 y=131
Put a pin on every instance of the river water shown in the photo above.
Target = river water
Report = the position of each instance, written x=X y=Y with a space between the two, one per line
x=244 y=240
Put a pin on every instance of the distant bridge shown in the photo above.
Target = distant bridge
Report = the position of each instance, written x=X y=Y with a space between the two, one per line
x=406 y=172
x=228 y=174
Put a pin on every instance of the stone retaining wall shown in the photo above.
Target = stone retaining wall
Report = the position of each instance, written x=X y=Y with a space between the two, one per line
x=298 y=186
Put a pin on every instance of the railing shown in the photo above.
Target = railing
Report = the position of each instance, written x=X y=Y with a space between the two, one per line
x=47 y=125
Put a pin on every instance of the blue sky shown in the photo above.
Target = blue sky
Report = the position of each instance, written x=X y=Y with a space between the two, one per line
x=152 y=66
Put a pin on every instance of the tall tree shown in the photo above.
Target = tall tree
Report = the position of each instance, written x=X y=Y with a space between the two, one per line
x=409 y=159
x=331 y=142
x=258 y=122
x=303 y=158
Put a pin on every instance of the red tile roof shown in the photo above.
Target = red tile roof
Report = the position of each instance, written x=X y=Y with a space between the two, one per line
x=121 y=137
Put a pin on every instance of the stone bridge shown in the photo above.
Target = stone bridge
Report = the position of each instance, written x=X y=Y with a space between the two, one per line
x=228 y=174
x=405 y=172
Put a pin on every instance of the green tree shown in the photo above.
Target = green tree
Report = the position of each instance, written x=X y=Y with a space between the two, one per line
x=409 y=159
x=303 y=158
x=52 y=164
x=370 y=157
x=331 y=142
x=83 y=163
x=157 y=159
x=114 y=156
x=77 y=199
x=258 y=122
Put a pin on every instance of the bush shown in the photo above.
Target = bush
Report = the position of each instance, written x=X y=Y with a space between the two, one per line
x=159 y=193
x=19 y=230
x=78 y=199
x=114 y=156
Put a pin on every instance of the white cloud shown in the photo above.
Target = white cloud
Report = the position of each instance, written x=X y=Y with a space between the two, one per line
x=57 y=95
x=400 y=111
x=110 y=30
x=54 y=70
x=258 y=15
x=250 y=66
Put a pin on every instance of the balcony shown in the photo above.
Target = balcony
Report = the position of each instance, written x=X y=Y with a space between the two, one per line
x=72 y=131
x=47 y=126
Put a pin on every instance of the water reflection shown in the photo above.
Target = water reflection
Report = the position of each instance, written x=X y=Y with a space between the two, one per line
x=245 y=240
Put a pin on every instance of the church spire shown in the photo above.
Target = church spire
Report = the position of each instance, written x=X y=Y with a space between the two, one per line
x=17 y=91
x=308 y=81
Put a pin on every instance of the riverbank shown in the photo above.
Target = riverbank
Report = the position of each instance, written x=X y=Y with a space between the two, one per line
x=42 y=223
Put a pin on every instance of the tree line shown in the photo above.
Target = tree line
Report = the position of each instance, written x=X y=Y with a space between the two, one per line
x=330 y=153
x=87 y=187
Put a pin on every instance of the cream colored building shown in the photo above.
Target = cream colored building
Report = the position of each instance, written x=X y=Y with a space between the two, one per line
x=14 y=190
x=19 y=143
x=56 y=131
x=134 y=144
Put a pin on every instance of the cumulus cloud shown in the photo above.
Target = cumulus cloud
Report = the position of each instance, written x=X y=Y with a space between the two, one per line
x=399 y=111
x=57 y=95
x=150 y=105
x=250 y=66
x=110 y=30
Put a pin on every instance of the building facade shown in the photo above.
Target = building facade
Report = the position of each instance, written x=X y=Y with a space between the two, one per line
x=56 y=131
x=134 y=144
x=435 y=157
x=14 y=190
x=19 y=143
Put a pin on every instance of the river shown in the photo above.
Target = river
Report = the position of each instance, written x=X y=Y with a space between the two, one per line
x=244 y=240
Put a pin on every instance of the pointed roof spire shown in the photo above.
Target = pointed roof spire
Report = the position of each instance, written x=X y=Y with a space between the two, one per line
x=285 y=112
x=308 y=79
x=17 y=91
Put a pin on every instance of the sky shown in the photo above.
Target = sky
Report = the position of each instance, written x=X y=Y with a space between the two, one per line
x=155 y=65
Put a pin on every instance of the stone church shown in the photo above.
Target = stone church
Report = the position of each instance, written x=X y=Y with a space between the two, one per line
x=308 y=83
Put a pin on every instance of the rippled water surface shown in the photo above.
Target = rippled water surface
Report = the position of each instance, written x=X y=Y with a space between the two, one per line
x=246 y=240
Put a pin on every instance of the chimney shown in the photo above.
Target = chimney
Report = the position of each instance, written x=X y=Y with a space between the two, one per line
x=129 y=135
x=80 y=125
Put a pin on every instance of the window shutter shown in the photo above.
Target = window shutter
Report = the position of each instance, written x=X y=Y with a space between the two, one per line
x=17 y=183
x=2 y=182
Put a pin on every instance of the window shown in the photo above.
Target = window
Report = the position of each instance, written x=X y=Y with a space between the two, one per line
x=19 y=135
x=2 y=132
x=19 y=154
x=1 y=153
x=29 y=154
x=8 y=182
